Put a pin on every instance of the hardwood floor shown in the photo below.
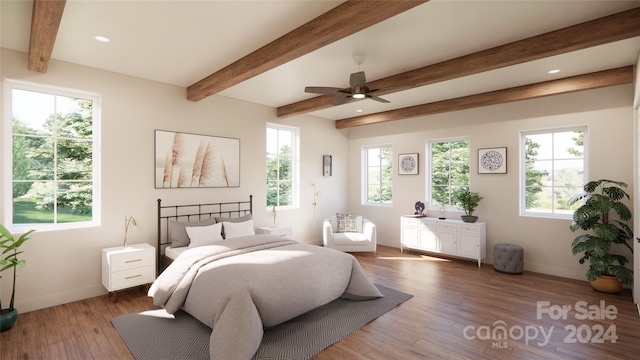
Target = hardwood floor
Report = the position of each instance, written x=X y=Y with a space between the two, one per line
x=455 y=309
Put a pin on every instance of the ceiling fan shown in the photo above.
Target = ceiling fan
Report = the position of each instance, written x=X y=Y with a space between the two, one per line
x=357 y=88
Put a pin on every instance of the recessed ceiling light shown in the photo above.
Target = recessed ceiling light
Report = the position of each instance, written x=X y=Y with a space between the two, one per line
x=359 y=110
x=103 y=39
x=554 y=71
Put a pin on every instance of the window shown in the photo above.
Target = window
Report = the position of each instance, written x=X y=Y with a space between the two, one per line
x=50 y=156
x=282 y=166
x=378 y=174
x=448 y=171
x=553 y=171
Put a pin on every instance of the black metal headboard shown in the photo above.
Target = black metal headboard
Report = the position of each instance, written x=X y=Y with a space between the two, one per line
x=195 y=212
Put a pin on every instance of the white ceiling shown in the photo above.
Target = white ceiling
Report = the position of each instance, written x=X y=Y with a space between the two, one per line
x=181 y=42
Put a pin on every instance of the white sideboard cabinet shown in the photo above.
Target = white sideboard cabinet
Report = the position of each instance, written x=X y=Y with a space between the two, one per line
x=447 y=237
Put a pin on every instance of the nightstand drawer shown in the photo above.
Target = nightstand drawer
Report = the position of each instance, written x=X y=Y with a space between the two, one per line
x=133 y=277
x=131 y=260
x=283 y=231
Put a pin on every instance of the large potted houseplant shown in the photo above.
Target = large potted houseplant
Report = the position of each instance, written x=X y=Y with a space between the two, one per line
x=9 y=251
x=602 y=199
x=468 y=200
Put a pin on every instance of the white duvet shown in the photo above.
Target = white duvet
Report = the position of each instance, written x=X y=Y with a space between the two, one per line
x=239 y=286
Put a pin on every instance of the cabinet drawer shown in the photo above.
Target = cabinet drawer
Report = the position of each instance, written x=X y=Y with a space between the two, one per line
x=131 y=260
x=446 y=226
x=277 y=231
x=428 y=224
x=130 y=278
x=409 y=223
x=469 y=228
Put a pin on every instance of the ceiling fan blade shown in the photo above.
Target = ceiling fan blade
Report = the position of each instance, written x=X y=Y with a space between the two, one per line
x=377 y=99
x=340 y=100
x=357 y=79
x=322 y=90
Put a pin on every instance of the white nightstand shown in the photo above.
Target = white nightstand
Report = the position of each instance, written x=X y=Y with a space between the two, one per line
x=125 y=267
x=284 y=231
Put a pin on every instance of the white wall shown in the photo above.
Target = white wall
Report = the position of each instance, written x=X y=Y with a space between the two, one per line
x=65 y=265
x=608 y=114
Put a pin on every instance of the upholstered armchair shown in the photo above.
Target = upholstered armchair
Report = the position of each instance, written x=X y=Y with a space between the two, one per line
x=360 y=238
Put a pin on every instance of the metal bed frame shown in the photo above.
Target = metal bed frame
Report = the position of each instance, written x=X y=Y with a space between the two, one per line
x=194 y=212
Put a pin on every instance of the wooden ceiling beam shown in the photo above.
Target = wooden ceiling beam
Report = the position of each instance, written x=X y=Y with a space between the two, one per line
x=620 y=26
x=45 y=22
x=340 y=22
x=619 y=76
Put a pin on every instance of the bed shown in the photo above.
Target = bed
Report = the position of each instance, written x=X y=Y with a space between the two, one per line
x=245 y=282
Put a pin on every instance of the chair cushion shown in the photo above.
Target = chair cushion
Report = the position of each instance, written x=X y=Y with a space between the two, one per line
x=350 y=238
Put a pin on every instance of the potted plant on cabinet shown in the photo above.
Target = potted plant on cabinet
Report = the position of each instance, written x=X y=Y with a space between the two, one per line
x=607 y=272
x=9 y=246
x=468 y=200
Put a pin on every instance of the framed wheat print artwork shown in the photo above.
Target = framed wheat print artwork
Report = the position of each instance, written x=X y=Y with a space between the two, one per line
x=408 y=164
x=492 y=161
x=195 y=161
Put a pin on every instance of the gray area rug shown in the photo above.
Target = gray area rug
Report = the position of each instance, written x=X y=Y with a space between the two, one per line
x=154 y=334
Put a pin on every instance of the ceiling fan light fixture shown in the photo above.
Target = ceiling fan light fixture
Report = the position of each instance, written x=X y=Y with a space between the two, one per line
x=358 y=96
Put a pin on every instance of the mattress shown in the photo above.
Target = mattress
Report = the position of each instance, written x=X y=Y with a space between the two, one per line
x=172 y=253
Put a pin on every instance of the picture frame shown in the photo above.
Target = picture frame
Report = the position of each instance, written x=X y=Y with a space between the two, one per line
x=492 y=160
x=184 y=160
x=408 y=164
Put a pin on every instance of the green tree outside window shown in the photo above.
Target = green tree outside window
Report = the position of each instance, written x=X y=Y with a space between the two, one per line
x=449 y=171
x=554 y=170
x=379 y=174
x=52 y=178
x=281 y=162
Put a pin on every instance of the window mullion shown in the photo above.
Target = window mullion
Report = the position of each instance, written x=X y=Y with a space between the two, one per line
x=55 y=159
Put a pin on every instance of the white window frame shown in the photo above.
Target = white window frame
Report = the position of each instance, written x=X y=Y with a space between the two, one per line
x=6 y=176
x=295 y=165
x=365 y=175
x=429 y=180
x=523 y=135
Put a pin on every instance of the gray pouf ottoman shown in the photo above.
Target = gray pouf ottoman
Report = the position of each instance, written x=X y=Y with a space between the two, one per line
x=508 y=258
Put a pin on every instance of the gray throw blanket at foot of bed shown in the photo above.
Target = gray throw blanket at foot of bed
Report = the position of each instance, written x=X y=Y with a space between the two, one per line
x=239 y=286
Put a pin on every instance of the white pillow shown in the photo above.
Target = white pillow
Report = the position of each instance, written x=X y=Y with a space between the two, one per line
x=204 y=235
x=233 y=230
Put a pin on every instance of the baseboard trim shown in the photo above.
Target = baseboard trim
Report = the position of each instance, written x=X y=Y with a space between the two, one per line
x=553 y=270
x=59 y=298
